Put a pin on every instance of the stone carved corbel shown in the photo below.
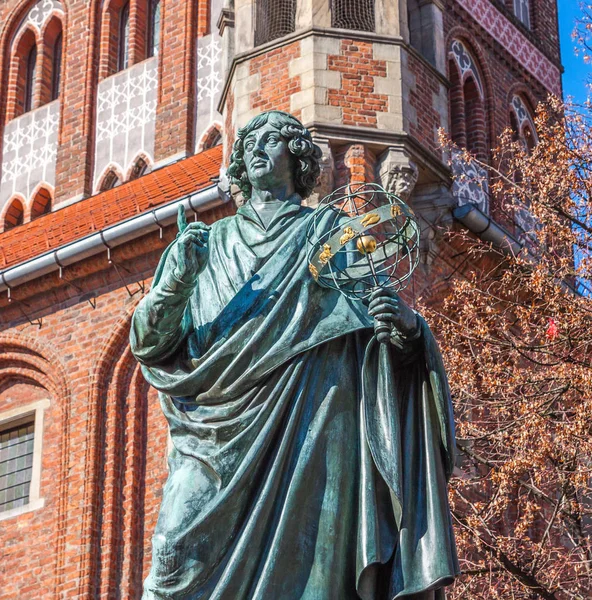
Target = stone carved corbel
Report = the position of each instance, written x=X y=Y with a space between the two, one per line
x=397 y=173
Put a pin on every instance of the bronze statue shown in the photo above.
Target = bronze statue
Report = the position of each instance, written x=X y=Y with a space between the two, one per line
x=291 y=477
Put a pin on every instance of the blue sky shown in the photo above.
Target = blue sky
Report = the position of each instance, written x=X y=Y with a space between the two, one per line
x=576 y=72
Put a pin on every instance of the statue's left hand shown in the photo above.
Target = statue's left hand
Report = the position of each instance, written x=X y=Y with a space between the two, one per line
x=388 y=308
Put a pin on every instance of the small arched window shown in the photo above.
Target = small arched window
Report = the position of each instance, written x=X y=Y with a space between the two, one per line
x=56 y=72
x=31 y=76
x=123 y=39
x=110 y=181
x=154 y=28
x=475 y=120
x=140 y=168
x=14 y=215
x=522 y=123
x=41 y=203
x=212 y=139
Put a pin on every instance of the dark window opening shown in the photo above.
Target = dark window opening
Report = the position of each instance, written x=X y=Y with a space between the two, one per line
x=41 y=203
x=57 y=68
x=30 y=80
x=154 y=28
x=14 y=215
x=124 y=32
x=110 y=181
x=140 y=168
x=214 y=138
x=353 y=14
x=275 y=18
x=522 y=11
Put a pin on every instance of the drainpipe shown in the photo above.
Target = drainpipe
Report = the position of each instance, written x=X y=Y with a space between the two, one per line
x=110 y=237
x=486 y=229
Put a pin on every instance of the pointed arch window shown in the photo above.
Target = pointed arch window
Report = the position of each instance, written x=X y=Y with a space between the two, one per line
x=31 y=75
x=41 y=203
x=56 y=72
x=468 y=125
x=140 y=168
x=15 y=215
x=154 y=28
x=110 y=181
x=124 y=38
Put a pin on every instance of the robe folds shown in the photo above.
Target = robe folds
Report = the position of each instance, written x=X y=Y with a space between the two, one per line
x=309 y=462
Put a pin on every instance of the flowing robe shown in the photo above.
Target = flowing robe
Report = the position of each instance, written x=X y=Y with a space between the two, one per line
x=309 y=462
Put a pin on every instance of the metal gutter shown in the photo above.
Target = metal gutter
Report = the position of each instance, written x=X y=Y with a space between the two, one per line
x=486 y=229
x=110 y=237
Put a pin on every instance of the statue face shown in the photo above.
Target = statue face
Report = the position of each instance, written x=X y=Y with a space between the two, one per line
x=267 y=158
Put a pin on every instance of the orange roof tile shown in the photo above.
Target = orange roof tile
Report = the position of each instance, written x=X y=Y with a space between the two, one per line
x=108 y=208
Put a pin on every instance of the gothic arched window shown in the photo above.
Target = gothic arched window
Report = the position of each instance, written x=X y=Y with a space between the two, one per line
x=31 y=76
x=154 y=28
x=110 y=181
x=14 y=215
x=140 y=168
x=41 y=203
x=123 y=39
x=468 y=128
x=56 y=72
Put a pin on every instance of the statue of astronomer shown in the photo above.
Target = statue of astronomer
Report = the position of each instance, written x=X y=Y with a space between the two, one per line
x=289 y=478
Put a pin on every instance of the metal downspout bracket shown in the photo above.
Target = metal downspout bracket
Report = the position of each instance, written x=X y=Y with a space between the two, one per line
x=89 y=297
x=141 y=285
x=20 y=304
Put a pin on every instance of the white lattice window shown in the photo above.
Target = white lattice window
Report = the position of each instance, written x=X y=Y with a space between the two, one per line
x=522 y=11
x=21 y=437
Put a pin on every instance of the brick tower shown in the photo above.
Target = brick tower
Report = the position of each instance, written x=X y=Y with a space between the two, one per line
x=112 y=113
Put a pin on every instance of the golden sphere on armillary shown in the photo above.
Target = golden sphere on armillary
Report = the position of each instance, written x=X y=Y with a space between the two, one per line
x=366 y=244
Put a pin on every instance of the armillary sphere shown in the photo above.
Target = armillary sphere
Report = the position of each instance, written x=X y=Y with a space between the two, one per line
x=363 y=237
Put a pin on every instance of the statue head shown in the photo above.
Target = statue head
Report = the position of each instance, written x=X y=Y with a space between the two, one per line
x=303 y=159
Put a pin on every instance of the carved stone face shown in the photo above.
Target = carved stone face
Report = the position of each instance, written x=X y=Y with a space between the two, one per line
x=268 y=160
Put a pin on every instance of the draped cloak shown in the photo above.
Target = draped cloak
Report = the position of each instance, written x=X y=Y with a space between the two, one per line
x=309 y=462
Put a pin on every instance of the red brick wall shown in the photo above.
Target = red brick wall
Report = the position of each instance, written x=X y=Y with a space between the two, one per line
x=175 y=112
x=502 y=77
x=276 y=86
x=421 y=98
x=544 y=24
x=104 y=439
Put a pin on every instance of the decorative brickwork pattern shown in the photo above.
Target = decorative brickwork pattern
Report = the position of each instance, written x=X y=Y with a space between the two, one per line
x=126 y=116
x=519 y=46
x=276 y=84
x=29 y=152
x=471 y=182
x=357 y=97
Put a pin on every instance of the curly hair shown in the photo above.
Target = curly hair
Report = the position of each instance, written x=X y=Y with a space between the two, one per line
x=300 y=144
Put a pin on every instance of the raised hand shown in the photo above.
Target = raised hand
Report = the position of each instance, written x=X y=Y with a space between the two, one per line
x=389 y=311
x=189 y=255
